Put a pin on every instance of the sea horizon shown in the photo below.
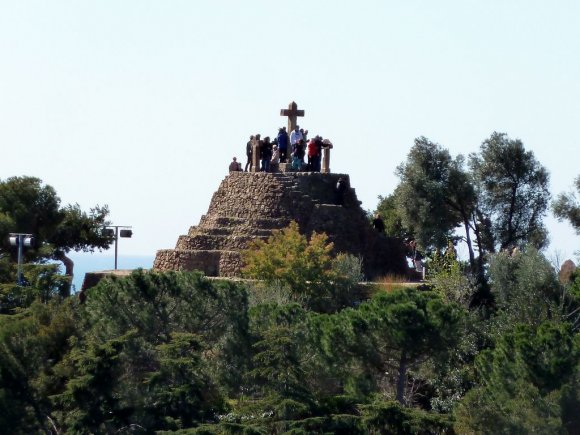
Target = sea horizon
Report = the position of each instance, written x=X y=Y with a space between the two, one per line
x=85 y=262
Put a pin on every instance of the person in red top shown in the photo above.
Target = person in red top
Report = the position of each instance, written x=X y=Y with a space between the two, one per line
x=311 y=153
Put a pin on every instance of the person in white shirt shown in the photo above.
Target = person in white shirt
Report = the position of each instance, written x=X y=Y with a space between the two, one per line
x=295 y=136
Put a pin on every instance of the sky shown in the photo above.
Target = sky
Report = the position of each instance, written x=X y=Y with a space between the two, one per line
x=141 y=105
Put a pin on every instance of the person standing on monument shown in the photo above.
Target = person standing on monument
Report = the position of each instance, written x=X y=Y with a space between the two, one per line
x=318 y=156
x=265 y=154
x=249 y=153
x=283 y=143
x=275 y=160
x=295 y=136
x=235 y=166
x=311 y=154
x=298 y=156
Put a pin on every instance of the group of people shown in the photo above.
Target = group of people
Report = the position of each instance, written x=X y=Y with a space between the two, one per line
x=291 y=148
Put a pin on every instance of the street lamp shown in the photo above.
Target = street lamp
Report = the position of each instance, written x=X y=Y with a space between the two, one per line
x=21 y=240
x=113 y=230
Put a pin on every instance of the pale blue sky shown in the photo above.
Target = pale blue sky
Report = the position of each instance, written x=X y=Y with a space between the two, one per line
x=141 y=104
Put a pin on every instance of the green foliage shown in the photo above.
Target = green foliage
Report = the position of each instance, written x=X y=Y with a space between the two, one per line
x=277 y=358
x=45 y=283
x=30 y=343
x=500 y=201
x=29 y=206
x=448 y=277
x=566 y=206
x=388 y=210
x=387 y=337
x=432 y=191
x=390 y=417
x=92 y=401
x=178 y=352
x=525 y=287
x=528 y=384
x=159 y=351
x=306 y=268
x=157 y=305
x=81 y=231
x=513 y=189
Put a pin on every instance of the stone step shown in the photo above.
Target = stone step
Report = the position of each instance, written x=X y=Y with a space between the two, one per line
x=215 y=242
x=229 y=221
x=229 y=231
x=214 y=231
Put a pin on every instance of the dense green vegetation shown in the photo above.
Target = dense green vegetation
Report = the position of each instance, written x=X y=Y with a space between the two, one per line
x=175 y=351
x=29 y=206
x=301 y=346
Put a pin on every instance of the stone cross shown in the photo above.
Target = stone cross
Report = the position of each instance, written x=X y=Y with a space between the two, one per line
x=292 y=113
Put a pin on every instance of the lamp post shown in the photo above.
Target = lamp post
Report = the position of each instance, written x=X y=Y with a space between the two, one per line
x=126 y=232
x=21 y=240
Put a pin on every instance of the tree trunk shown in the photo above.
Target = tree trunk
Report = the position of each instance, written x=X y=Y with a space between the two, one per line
x=469 y=244
x=477 y=217
x=68 y=270
x=402 y=379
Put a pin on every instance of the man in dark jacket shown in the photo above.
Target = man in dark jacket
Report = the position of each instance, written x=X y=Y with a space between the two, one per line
x=265 y=154
x=283 y=143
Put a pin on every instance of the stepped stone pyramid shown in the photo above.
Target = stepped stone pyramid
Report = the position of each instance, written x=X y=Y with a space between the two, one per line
x=250 y=206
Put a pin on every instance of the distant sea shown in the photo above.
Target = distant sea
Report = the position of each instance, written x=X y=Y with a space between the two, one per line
x=86 y=262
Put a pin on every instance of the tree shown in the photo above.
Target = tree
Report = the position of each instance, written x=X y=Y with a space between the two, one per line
x=513 y=192
x=307 y=268
x=528 y=384
x=31 y=344
x=525 y=288
x=423 y=193
x=391 y=335
x=567 y=207
x=435 y=196
x=279 y=360
x=158 y=351
x=44 y=284
x=29 y=206
x=387 y=209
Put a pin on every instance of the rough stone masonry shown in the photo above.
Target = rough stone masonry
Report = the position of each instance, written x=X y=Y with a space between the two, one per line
x=250 y=206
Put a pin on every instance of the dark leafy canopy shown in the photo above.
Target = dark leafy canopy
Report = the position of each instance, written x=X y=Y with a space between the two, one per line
x=513 y=189
x=435 y=196
x=387 y=209
x=425 y=195
x=528 y=384
x=525 y=288
x=500 y=201
x=390 y=336
x=177 y=351
x=158 y=352
x=567 y=207
x=44 y=284
x=29 y=206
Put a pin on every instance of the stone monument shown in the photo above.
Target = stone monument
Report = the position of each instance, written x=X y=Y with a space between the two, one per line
x=251 y=205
